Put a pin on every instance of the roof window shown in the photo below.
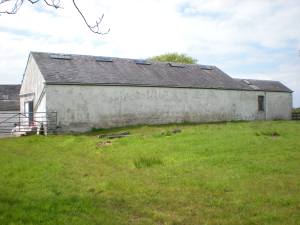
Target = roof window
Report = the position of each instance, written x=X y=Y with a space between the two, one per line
x=251 y=85
x=204 y=67
x=247 y=82
x=142 y=62
x=60 y=56
x=176 y=65
x=254 y=87
x=103 y=59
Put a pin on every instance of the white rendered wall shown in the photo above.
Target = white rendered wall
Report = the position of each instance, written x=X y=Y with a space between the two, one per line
x=32 y=85
x=33 y=89
x=81 y=108
x=279 y=105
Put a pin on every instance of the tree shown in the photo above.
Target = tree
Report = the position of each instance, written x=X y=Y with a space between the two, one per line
x=55 y=4
x=174 y=57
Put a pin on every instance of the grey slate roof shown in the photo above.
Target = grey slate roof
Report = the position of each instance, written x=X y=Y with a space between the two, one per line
x=84 y=69
x=9 y=97
x=265 y=85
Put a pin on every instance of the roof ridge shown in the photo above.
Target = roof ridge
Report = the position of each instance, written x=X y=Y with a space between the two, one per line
x=119 y=58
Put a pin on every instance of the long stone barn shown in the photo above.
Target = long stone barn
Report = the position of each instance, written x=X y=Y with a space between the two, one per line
x=101 y=92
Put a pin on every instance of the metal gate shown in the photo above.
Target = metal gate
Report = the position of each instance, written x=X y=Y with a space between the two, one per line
x=24 y=123
x=296 y=116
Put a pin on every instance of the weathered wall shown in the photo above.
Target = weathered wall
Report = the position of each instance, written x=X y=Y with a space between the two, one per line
x=279 y=105
x=82 y=107
x=33 y=89
x=32 y=86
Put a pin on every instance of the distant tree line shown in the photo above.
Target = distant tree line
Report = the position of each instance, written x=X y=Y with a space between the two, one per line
x=174 y=57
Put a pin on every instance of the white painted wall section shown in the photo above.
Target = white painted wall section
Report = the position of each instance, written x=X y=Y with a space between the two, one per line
x=279 y=105
x=81 y=108
x=32 y=86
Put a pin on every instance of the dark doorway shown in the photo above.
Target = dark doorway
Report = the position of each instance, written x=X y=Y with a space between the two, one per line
x=261 y=103
x=29 y=112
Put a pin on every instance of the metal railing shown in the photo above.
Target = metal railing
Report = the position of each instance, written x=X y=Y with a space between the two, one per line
x=28 y=122
x=296 y=116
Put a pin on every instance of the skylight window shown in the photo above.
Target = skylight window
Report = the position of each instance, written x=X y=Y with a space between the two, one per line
x=204 y=67
x=103 y=59
x=254 y=87
x=60 y=56
x=176 y=65
x=251 y=85
x=247 y=82
x=142 y=62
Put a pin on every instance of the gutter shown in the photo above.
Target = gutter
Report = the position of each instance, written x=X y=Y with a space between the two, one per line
x=157 y=86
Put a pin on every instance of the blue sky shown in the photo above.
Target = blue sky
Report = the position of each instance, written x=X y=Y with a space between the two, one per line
x=257 y=39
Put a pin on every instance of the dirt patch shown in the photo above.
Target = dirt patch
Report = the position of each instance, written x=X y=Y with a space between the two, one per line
x=171 y=132
x=112 y=136
x=269 y=134
x=104 y=144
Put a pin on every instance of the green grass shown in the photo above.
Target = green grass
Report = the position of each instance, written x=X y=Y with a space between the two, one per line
x=228 y=173
x=144 y=162
x=296 y=110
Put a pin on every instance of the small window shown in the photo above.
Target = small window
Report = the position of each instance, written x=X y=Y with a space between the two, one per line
x=261 y=103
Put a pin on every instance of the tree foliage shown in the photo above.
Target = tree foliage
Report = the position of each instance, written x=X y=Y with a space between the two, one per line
x=174 y=57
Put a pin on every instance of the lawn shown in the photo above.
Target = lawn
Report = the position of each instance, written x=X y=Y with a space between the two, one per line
x=296 y=110
x=212 y=174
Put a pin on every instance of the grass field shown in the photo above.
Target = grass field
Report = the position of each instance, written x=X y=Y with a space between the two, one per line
x=296 y=110
x=212 y=174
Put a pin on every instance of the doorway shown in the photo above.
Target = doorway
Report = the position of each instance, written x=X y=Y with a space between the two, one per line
x=29 y=112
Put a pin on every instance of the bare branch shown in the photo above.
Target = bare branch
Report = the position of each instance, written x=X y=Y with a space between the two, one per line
x=96 y=28
x=15 y=9
x=19 y=3
x=55 y=4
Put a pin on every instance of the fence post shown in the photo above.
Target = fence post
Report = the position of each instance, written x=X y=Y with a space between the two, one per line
x=19 y=114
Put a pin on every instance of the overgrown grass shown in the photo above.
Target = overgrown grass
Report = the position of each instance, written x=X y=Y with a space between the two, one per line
x=227 y=173
x=144 y=162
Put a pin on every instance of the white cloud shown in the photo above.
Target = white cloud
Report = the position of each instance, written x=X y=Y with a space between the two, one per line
x=234 y=35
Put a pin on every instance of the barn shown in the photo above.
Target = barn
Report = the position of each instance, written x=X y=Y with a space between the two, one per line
x=101 y=92
x=9 y=107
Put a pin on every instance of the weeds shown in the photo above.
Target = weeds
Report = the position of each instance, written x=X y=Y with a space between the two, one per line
x=145 y=162
x=268 y=133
